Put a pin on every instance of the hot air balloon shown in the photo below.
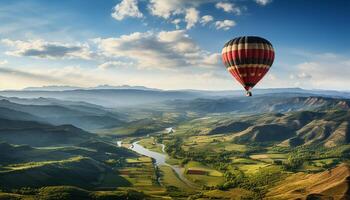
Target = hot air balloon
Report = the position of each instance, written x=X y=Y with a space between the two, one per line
x=248 y=59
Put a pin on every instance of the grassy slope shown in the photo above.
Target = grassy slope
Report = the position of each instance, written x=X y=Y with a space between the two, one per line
x=169 y=178
x=84 y=166
x=72 y=193
x=150 y=143
x=333 y=183
x=40 y=134
x=212 y=178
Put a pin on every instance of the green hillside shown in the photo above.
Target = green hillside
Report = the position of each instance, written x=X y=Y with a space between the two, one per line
x=86 y=116
x=39 y=134
x=87 y=167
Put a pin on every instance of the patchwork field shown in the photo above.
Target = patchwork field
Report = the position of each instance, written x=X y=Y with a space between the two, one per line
x=141 y=173
x=170 y=178
x=151 y=144
x=209 y=177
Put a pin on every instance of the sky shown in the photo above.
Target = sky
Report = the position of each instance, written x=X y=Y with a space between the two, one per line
x=170 y=44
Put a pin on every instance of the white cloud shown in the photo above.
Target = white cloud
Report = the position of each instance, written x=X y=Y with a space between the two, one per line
x=325 y=72
x=212 y=59
x=206 y=19
x=14 y=78
x=167 y=8
x=3 y=62
x=164 y=8
x=114 y=64
x=263 y=2
x=304 y=75
x=126 y=8
x=51 y=50
x=191 y=17
x=228 y=7
x=176 y=22
x=225 y=24
x=162 y=50
x=174 y=10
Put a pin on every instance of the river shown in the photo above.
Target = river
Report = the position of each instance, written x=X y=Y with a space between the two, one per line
x=160 y=159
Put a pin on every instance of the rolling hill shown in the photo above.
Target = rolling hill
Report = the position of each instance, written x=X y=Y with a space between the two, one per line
x=40 y=134
x=83 y=165
x=82 y=115
x=328 y=128
x=107 y=97
x=259 y=104
x=77 y=171
x=330 y=184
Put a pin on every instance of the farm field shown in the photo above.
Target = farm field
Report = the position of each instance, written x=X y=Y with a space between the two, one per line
x=202 y=175
x=151 y=144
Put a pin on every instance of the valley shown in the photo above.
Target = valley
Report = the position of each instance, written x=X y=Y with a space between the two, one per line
x=225 y=147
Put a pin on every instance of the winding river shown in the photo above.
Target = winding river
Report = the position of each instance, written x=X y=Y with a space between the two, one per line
x=160 y=159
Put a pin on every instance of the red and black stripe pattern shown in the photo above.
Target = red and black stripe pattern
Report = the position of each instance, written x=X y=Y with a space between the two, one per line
x=248 y=59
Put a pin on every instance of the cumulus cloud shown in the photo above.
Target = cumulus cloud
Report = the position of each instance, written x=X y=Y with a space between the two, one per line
x=167 y=8
x=326 y=71
x=228 y=7
x=164 y=8
x=225 y=24
x=114 y=64
x=206 y=19
x=263 y=2
x=3 y=62
x=170 y=9
x=212 y=59
x=301 y=75
x=164 y=50
x=126 y=8
x=51 y=50
x=176 y=22
x=191 y=17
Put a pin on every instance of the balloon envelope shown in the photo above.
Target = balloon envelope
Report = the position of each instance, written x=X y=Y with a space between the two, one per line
x=248 y=59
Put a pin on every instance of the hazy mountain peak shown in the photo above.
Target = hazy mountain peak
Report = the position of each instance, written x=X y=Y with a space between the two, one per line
x=98 y=87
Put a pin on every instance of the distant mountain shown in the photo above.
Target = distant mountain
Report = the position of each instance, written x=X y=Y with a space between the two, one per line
x=258 y=104
x=107 y=97
x=49 y=101
x=52 y=88
x=83 y=115
x=39 y=134
x=328 y=128
x=103 y=87
x=117 y=96
x=6 y=113
x=123 y=87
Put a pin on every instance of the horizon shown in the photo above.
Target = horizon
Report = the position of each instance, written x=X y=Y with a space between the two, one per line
x=96 y=43
x=134 y=87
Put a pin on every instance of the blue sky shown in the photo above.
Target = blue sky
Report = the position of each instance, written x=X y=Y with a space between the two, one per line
x=170 y=44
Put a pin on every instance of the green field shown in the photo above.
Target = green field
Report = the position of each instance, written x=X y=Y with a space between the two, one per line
x=211 y=178
x=151 y=144
x=170 y=178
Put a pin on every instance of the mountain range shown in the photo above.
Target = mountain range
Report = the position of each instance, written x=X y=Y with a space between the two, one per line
x=56 y=112
x=67 y=87
x=124 y=96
